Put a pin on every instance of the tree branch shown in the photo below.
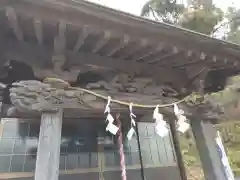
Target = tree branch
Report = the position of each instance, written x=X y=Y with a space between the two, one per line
x=224 y=24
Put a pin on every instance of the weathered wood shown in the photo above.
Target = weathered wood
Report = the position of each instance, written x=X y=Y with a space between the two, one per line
x=143 y=43
x=4 y=176
x=35 y=95
x=13 y=21
x=59 y=57
x=168 y=57
x=53 y=11
x=135 y=27
x=102 y=42
x=37 y=24
x=205 y=134
x=203 y=56
x=178 y=153
x=159 y=48
x=123 y=43
x=38 y=56
x=48 y=154
x=60 y=39
x=81 y=38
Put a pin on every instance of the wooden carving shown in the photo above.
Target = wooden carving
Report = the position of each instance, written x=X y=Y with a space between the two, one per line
x=52 y=94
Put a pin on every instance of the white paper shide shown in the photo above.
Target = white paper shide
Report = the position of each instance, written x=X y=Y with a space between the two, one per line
x=161 y=125
x=183 y=126
x=113 y=129
x=131 y=132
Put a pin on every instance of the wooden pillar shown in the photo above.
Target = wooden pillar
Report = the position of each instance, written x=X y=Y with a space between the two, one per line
x=48 y=154
x=205 y=134
x=177 y=149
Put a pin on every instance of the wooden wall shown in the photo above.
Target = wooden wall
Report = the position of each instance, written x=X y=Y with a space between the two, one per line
x=18 y=151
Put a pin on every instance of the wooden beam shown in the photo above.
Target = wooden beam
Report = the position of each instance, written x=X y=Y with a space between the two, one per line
x=143 y=43
x=59 y=57
x=38 y=56
x=205 y=138
x=54 y=11
x=155 y=50
x=170 y=54
x=48 y=154
x=102 y=41
x=73 y=114
x=81 y=38
x=13 y=21
x=60 y=39
x=38 y=30
x=79 y=171
x=4 y=3
x=203 y=56
x=124 y=42
x=177 y=148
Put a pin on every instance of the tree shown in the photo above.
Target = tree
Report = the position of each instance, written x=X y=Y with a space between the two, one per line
x=233 y=17
x=198 y=18
x=202 y=19
x=168 y=11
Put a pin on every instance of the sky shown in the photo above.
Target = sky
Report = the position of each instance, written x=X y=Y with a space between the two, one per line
x=135 y=6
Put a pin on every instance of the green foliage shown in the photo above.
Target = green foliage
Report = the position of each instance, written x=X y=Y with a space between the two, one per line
x=168 y=11
x=233 y=17
x=199 y=18
x=230 y=133
x=234 y=36
x=202 y=19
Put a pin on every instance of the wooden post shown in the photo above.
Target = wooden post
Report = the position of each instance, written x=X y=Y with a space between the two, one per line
x=177 y=149
x=48 y=154
x=205 y=134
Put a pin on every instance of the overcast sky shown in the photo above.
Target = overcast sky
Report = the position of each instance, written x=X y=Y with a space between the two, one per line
x=135 y=6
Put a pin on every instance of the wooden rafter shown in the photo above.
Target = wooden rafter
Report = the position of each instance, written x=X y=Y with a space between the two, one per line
x=203 y=56
x=143 y=43
x=156 y=32
x=102 y=42
x=124 y=42
x=60 y=39
x=174 y=52
x=81 y=38
x=37 y=56
x=13 y=21
x=155 y=50
x=38 y=30
x=58 y=56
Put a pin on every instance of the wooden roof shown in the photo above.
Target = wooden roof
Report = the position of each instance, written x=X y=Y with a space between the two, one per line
x=115 y=35
x=87 y=36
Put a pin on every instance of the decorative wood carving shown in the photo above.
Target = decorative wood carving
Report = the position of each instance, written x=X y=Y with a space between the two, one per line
x=35 y=95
